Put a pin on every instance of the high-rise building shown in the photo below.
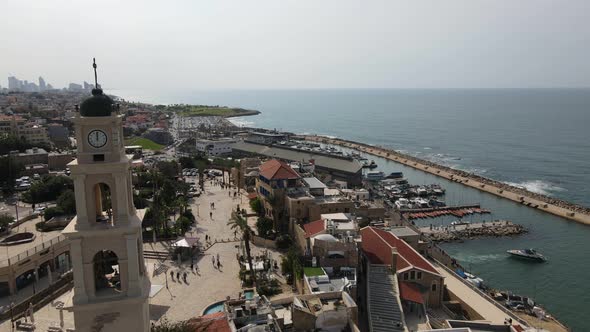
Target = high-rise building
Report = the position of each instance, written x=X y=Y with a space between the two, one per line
x=111 y=286
x=88 y=86
x=42 y=85
x=75 y=87
x=14 y=84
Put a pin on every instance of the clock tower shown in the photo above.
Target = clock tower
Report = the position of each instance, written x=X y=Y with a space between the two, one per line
x=111 y=286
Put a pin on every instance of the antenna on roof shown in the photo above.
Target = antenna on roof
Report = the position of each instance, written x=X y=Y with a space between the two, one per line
x=95 y=76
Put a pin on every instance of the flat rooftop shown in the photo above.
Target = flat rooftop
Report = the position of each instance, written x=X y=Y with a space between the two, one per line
x=401 y=231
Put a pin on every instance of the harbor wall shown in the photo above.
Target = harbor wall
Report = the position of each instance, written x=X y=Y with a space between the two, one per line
x=572 y=211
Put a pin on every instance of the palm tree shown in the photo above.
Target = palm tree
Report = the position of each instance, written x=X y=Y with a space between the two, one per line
x=240 y=223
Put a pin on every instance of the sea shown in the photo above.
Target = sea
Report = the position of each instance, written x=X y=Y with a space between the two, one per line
x=538 y=139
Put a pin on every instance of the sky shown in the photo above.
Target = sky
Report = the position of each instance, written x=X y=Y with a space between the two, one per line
x=284 y=44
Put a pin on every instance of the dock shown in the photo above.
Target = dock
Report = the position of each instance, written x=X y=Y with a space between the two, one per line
x=463 y=231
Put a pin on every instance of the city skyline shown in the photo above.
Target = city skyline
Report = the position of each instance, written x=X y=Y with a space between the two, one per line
x=455 y=44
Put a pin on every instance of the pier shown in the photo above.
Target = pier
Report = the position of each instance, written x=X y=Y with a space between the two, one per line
x=464 y=231
x=542 y=203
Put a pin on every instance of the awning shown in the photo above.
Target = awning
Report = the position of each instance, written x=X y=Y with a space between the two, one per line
x=186 y=242
x=155 y=289
x=258 y=266
x=410 y=292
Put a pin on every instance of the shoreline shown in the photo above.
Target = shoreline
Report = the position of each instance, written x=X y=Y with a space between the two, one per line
x=540 y=202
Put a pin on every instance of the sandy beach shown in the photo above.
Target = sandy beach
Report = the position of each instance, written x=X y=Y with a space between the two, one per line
x=536 y=201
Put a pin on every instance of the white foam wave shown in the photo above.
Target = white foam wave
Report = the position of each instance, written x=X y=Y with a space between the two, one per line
x=241 y=122
x=427 y=148
x=538 y=186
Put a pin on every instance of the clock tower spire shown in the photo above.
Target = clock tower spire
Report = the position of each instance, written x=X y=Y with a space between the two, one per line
x=111 y=287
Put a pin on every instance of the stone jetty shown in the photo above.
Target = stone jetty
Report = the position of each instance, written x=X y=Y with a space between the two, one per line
x=469 y=231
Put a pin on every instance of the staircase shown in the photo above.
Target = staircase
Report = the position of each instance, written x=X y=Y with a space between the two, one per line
x=158 y=255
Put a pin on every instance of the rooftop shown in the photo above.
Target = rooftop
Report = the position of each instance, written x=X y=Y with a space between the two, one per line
x=374 y=239
x=314 y=183
x=384 y=307
x=401 y=231
x=314 y=227
x=340 y=164
x=277 y=170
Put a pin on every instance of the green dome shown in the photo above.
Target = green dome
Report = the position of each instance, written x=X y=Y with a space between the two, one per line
x=97 y=105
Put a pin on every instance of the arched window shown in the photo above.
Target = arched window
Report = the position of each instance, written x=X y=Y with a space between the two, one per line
x=107 y=278
x=103 y=202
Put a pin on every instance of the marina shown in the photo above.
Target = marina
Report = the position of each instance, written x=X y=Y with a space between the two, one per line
x=522 y=196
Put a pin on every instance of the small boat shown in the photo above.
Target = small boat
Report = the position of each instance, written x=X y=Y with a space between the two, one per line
x=530 y=254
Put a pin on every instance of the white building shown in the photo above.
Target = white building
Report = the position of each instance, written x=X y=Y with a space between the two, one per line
x=215 y=147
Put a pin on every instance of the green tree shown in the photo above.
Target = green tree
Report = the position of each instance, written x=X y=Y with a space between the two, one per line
x=239 y=223
x=5 y=219
x=183 y=224
x=264 y=226
x=48 y=189
x=291 y=265
x=53 y=212
x=67 y=202
x=9 y=170
x=256 y=205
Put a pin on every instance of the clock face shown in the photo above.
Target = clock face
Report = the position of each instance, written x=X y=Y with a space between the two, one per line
x=97 y=138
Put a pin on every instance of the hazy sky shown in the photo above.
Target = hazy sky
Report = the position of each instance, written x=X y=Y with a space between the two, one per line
x=298 y=44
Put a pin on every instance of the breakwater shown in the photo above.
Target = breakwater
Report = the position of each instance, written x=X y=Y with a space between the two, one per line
x=522 y=196
x=469 y=231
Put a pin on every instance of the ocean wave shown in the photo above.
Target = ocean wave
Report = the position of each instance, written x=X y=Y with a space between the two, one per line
x=427 y=148
x=241 y=122
x=537 y=186
x=477 y=259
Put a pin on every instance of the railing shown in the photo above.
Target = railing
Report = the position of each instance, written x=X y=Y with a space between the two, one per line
x=31 y=251
x=484 y=295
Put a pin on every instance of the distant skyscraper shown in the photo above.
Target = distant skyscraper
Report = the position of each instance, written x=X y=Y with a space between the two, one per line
x=88 y=86
x=14 y=83
x=42 y=85
x=75 y=87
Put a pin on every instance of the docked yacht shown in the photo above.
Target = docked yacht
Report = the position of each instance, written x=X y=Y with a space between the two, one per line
x=374 y=175
x=402 y=203
x=530 y=254
x=395 y=175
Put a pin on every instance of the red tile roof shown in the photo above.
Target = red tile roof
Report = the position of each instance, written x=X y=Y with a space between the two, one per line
x=314 y=228
x=277 y=170
x=216 y=322
x=377 y=245
x=410 y=292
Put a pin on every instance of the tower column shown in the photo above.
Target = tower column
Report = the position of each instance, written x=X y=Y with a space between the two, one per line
x=134 y=288
x=80 y=295
x=80 y=193
x=122 y=205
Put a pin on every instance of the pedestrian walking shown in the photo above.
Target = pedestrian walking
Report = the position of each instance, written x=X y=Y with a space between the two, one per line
x=211 y=215
x=184 y=277
x=178 y=275
x=213 y=260
x=218 y=257
x=172 y=275
x=218 y=265
x=192 y=266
